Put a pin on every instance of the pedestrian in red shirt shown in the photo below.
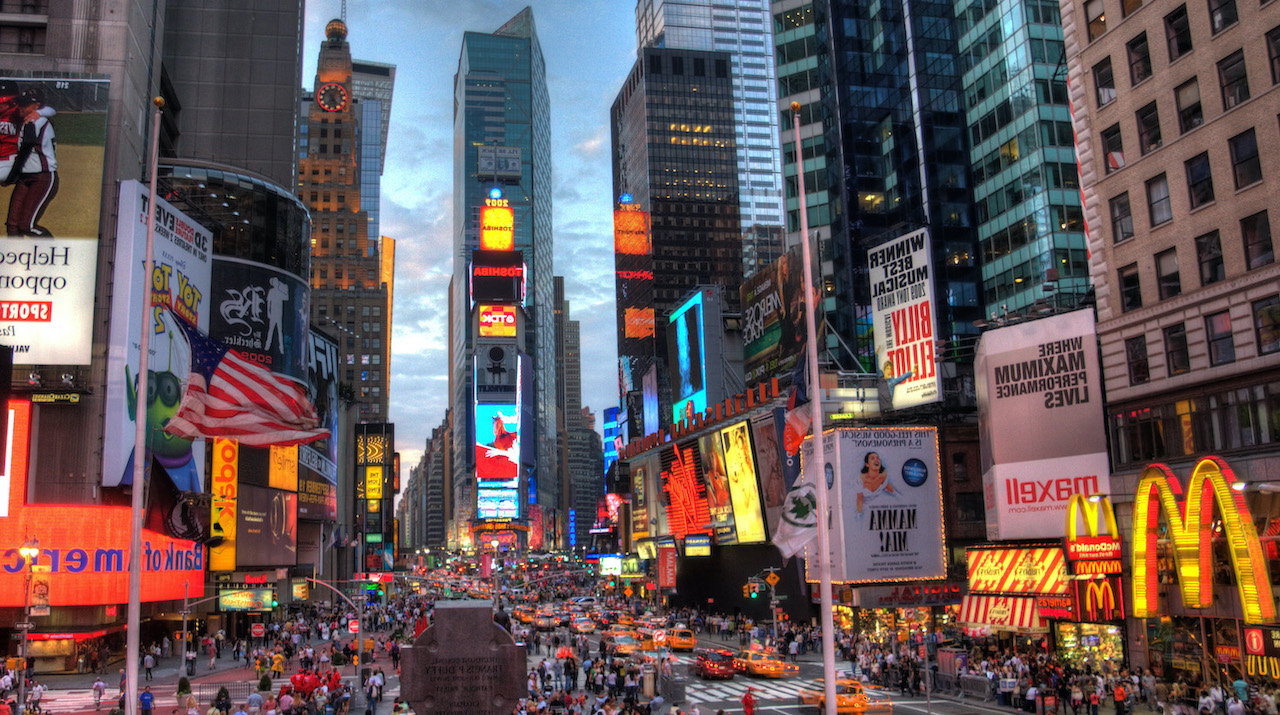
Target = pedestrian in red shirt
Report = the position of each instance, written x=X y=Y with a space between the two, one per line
x=749 y=703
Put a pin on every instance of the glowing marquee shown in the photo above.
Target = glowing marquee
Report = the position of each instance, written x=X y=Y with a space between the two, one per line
x=1098 y=550
x=497 y=226
x=1190 y=523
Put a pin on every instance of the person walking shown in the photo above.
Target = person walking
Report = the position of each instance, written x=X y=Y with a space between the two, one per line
x=148 y=662
x=99 y=688
x=146 y=701
x=748 y=702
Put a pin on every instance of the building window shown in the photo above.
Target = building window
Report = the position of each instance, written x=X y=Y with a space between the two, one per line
x=1135 y=352
x=1148 y=128
x=1234 y=79
x=1209 y=254
x=1167 y=280
x=1266 y=324
x=1217 y=332
x=1113 y=148
x=1177 y=359
x=1190 y=115
x=1139 y=59
x=1199 y=179
x=1158 y=208
x=1096 y=17
x=1273 y=52
x=1244 y=159
x=1104 y=82
x=23 y=39
x=1256 y=232
x=1121 y=218
x=1177 y=30
x=1130 y=288
x=1222 y=14
x=1128 y=7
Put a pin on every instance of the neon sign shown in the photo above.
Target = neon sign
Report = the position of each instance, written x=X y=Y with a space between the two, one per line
x=1190 y=530
x=1097 y=551
x=687 y=511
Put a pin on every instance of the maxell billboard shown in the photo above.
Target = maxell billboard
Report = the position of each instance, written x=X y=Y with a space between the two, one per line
x=1041 y=425
x=901 y=275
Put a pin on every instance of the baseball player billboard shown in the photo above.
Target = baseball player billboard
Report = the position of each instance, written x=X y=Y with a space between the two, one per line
x=52 y=142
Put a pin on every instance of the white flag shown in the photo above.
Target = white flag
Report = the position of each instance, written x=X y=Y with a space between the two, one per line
x=798 y=524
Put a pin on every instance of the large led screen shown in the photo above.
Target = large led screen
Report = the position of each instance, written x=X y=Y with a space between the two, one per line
x=266 y=527
x=497 y=446
x=688 y=359
x=740 y=467
x=684 y=494
x=719 y=500
x=498 y=504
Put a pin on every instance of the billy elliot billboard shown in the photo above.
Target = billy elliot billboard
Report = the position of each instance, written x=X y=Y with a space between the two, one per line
x=1040 y=422
x=901 y=275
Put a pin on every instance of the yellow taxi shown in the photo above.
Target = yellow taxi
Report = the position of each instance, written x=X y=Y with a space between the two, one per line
x=762 y=664
x=523 y=614
x=625 y=619
x=623 y=646
x=681 y=639
x=617 y=629
x=850 y=697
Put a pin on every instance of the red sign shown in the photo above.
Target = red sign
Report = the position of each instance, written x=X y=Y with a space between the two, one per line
x=374 y=577
x=1099 y=599
x=258 y=630
x=251 y=578
x=1100 y=567
x=1093 y=548
x=84 y=547
x=666 y=567
x=1061 y=607
x=353 y=625
x=687 y=511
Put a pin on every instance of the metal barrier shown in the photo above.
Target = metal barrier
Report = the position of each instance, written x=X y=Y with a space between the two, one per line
x=944 y=684
x=976 y=686
x=239 y=692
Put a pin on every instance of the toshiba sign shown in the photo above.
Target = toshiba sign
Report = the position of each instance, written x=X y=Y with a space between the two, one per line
x=497 y=321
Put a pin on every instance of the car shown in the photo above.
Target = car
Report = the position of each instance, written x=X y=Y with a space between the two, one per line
x=762 y=664
x=624 y=619
x=713 y=663
x=850 y=697
x=585 y=600
x=618 y=630
x=681 y=639
x=623 y=646
x=583 y=625
x=546 y=621
x=523 y=614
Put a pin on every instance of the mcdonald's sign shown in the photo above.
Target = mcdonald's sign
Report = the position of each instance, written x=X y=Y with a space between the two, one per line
x=1097 y=551
x=1262 y=651
x=1191 y=532
x=1099 y=599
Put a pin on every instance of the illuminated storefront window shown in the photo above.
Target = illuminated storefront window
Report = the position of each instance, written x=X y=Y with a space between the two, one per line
x=1090 y=644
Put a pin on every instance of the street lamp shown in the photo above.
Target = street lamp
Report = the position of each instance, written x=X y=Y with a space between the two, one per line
x=29 y=550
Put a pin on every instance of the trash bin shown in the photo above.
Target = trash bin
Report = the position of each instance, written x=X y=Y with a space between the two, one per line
x=674 y=689
x=1046 y=703
x=647 y=682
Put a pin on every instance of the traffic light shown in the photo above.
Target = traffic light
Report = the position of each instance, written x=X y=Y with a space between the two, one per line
x=275 y=602
x=755 y=590
x=746 y=590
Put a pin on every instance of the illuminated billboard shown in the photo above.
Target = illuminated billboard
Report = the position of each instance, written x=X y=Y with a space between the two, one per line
x=610 y=565
x=1024 y=571
x=497 y=277
x=225 y=483
x=181 y=281
x=246 y=599
x=84 y=547
x=497 y=321
x=263 y=313
x=266 y=527
x=1035 y=378
x=740 y=465
x=498 y=504
x=773 y=327
x=497 y=226
x=902 y=316
x=719 y=499
x=684 y=494
x=497 y=445
x=637 y=323
x=631 y=231
x=49 y=260
x=685 y=329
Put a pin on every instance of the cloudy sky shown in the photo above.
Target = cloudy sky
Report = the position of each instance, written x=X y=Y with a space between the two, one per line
x=589 y=46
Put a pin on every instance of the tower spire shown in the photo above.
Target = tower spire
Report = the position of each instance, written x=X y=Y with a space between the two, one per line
x=344 y=11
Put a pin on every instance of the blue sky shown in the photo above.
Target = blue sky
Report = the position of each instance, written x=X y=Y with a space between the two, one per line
x=589 y=46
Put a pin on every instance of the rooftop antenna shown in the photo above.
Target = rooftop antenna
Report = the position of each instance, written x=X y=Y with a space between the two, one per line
x=344 y=11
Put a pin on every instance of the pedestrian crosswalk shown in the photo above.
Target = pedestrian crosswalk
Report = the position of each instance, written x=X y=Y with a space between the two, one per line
x=712 y=691
x=75 y=701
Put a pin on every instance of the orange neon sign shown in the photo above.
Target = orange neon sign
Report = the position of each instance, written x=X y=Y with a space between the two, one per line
x=1190 y=522
x=631 y=232
x=85 y=549
x=497 y=228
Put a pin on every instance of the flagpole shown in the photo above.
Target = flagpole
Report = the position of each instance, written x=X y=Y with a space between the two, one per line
x=140 y=457
x=819 y=457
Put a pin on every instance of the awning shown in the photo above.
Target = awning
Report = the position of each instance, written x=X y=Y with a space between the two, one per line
x=984 y=615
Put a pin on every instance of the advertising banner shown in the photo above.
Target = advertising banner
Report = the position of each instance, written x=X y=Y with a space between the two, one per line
x=181 y=282
x=266 y=527
x=688 y=360
x=773 y=480
x=1036 y=378
x=497 y=277
x=537 y=528
x=497 y=321
x=497 y=446
x=697 y=545
x=225 y=483
x=641 y=477
x=740 y=465
x=251 y=599
x=684 y=493
x=719 y=499
x=498 y=504
x=890 y=496
x=1262 y=651
x=1022 y=571
x=84 y=548
x=666 y=567
x=317 y=497
x=48 y=264
x=498 y=162
x=1098 y=599
x=901 y=275
x=263 y=313
x=321 y=456
x=909 y=595
x=38 y=591
x=283 y=470
x=497 y=226
x=773 y=330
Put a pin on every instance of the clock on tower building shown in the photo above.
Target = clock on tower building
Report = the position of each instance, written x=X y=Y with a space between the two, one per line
x=350 y=284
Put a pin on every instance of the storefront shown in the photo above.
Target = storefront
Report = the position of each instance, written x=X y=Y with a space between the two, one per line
x=1002 y=606
x=1087 y=622
x=919 y=614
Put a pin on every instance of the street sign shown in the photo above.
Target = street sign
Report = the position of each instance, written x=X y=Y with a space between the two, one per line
x=353 y=625
x=24 y=626
x=772 y=579
x=627 y=592
x=258 y=630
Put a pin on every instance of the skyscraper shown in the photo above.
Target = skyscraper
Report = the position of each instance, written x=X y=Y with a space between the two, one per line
x=675 y=173
x=502 y=174
x=742 y=29
x=351 y=293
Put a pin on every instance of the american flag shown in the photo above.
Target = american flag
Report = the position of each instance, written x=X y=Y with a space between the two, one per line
x=228 y=396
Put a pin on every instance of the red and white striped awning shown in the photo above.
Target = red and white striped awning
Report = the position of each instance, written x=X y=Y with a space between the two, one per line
x=984 y=615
